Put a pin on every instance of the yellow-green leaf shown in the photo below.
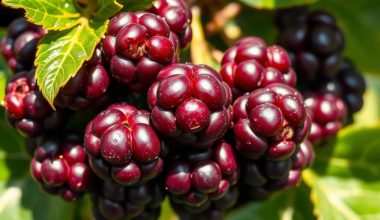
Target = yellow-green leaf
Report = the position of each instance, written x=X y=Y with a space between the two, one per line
x=293 y=204
x=370 y=112
x=52 y=15
x=200 y=50
x=61 y=54
x=345 y=179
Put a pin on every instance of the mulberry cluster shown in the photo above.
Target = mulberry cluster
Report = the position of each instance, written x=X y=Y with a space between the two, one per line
x=315 y=44
x=60 y=166
x=203 y=139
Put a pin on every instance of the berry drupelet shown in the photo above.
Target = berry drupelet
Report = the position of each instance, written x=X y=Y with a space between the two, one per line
x=250 y=64
x=26 y=108
x=137 y=46
x=122 y=145
x=60 y=166
x=190 y=105
x=349 y=85
x=20 y=45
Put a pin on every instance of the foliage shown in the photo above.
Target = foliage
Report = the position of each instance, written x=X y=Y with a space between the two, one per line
x=61 y=53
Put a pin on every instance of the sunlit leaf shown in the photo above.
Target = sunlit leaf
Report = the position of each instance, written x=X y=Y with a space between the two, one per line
x=345 y=180
x=52 y=15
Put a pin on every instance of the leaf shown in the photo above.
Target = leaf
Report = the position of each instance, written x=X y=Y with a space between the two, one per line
x=4 y=70
x=167 y=212
x=60 y=54
x=263 y=24
x=3 y=82
x=370 y=112
x=52 y=15
x=136 y=5
x=14 y=163
x=200 y=51
x=23 y=199
x=356 y=18
x=292 y=204
x=345 y=180
x=273 y=4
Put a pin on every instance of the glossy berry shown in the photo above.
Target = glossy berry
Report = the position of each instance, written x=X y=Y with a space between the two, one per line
x=328 y=114
x=314 y=42
x=137 y=46
x=201 y=181
x=270 y=122
x=206 y=177
x=261 y=177
x=123 y=146
x=60 y=165
x=190 y=104
x=197 y=177
x=113 y=201
x=89 y=88
x=20 y=45
x=177 y=15
x=349 y=85
x=26 y=108
x=251 y=64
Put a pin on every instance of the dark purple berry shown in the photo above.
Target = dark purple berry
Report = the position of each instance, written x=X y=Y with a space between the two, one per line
x=20 y=46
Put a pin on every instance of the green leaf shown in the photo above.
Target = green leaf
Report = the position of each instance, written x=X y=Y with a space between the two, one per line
x=355 y=19
x=136 y=5
x=291 y=204
x=14 y=162
x=4 y=70
x=167 y=212
x=52 y=15
x=370 y=112
x=61 y=14
x=3 y=82
x=60 y=54
x=273 y=4
x=23 y=199
x=345 y=179
x=263 y=20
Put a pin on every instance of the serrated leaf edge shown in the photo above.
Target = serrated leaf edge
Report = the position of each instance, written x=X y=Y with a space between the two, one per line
x=30 y=19
x=41 y=80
